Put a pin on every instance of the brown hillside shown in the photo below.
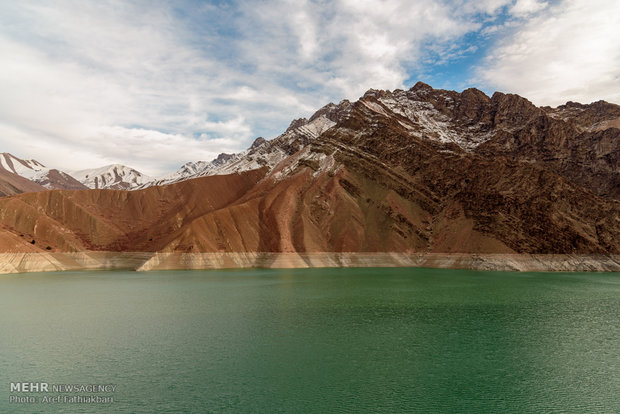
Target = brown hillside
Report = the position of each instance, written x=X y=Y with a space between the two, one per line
x=117 y=220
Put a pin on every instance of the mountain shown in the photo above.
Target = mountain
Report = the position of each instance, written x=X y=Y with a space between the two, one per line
x=421 y=170
x=115 y=176
x=188 y=170
x=18 y=166
x=114 y=220
x=262 y=152
x=579 y=142
x=50 y=178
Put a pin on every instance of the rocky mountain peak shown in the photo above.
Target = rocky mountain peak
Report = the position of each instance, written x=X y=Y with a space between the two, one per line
x=475 y=95
x=333 y=112
x=257 y=143
x=376 y=93
x=512 y=111
x=222 y=159
x=421 y=87
x=296 y=123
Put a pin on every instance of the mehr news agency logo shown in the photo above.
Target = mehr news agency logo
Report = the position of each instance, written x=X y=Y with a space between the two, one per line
x=32 y=393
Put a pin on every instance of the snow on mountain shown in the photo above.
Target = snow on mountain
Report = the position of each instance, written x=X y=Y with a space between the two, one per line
x=188 y=170
x=33 y=170
x=423 y=119
x=25 y=168
x=413 y=109
x=115 y=176
x=426 y=113
x=269 y=153
x=265 y=153
x=469 y=121
x=262 y=152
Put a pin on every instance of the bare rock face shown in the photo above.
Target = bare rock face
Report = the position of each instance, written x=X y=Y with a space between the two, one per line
x=115 y=220
x=512 y=111
x=422 y=171
x=579 y=142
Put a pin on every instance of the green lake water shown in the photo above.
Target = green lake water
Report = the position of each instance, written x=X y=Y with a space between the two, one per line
x=315 y=341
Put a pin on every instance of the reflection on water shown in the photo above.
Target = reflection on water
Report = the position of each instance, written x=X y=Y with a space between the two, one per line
x=318 y=340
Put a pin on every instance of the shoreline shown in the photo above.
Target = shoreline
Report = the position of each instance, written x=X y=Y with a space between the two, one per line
x=146 y=261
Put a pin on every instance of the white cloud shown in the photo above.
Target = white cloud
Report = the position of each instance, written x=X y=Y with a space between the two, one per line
x=525 y=7
x=489 y=7
x=345 y=47
x=571 y=51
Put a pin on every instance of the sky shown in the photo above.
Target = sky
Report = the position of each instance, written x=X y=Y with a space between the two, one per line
x=154 y=84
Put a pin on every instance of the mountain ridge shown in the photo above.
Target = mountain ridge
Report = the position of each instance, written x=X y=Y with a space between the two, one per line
x=49 y=178
x=112 y=176
x=468 y=119
x=417 y=171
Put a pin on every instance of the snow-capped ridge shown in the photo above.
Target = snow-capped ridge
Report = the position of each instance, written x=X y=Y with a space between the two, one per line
x=25 y=168
x=35 y=171
x=416 y=111
x=451 y=121
x=262 y=152
x=113 y=176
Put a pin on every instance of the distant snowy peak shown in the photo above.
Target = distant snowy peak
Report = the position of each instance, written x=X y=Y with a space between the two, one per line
x=115 y=176
x=192 y=168
x=188 y=170
x=33 y=170
x=25 y=168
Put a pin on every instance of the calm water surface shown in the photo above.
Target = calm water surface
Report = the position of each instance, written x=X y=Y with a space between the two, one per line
x=316 y=341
